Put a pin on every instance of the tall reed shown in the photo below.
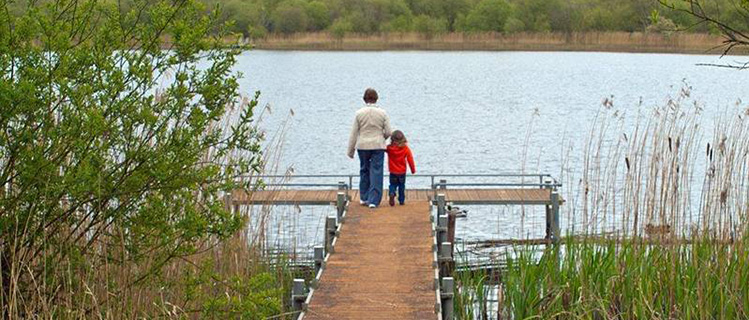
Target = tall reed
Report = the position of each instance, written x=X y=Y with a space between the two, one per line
x=656 y=217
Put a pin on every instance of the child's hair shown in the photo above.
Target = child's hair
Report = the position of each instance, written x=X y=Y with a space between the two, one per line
x=398 y=138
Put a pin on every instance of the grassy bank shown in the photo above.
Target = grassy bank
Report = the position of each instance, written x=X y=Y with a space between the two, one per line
x=695 y=43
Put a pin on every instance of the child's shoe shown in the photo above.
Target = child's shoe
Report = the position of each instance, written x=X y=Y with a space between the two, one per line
x=392 y=200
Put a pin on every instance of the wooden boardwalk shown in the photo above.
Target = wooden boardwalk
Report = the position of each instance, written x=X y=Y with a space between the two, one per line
x=381 y=268
x=384 y=259
x=529 y=196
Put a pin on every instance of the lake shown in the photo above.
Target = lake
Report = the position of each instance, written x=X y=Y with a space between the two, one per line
x=468 y=112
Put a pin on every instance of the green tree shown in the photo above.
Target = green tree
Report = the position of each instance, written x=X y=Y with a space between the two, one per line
x=487 y=15
x=428 y=26
x=537 y=14
x=341 y=27
x=243 y=17
x=290 y=17
x=402 y=23
x=708 y=14
x=368 y=15
x=319 y=15
x=514 y=25
x=113 y=152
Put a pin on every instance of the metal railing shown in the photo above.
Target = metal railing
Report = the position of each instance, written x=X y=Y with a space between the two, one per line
x=437 y=181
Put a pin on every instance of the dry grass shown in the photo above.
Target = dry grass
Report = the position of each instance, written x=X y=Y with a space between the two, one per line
x=657 y=221
x=578 y=41
x=665 y=175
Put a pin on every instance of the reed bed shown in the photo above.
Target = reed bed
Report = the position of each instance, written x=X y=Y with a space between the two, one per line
x=551 y=41
x=656 y=220
x=630 y=280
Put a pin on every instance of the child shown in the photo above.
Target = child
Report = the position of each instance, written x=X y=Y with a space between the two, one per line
x=398 y=154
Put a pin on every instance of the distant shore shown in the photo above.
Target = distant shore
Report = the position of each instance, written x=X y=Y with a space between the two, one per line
x=690 y=43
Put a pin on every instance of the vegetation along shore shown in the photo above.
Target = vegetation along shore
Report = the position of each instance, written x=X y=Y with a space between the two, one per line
x=692 y=43
x=118 y=160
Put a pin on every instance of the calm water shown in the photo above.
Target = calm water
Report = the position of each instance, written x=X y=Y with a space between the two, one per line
x=467 y=112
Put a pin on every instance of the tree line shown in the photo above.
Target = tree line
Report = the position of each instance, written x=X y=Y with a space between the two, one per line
x=257 y=18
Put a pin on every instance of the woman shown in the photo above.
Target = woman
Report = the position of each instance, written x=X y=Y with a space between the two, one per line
x=371 y=129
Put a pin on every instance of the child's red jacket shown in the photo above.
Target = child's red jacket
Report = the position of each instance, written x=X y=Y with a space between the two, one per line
x=397 y=157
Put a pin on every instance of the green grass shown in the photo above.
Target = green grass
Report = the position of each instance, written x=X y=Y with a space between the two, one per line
x=592 y=280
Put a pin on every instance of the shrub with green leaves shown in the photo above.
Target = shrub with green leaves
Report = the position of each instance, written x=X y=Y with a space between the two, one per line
x=115 y=146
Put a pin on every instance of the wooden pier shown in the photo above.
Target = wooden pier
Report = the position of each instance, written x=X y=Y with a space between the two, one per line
x=381 y=268
x=391 y=262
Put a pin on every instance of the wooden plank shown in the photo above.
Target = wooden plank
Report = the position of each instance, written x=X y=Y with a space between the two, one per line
x=381 y=268
x=464 y=196
x=516 y=195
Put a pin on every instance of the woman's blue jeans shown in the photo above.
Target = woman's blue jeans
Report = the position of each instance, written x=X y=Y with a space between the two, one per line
x=370 y=175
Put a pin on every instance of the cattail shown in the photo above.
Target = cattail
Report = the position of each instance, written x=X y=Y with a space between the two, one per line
x=707 y=152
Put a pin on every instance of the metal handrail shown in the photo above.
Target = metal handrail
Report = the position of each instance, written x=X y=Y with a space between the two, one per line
x=419 y=175
x=542 y=184
x=305 y=185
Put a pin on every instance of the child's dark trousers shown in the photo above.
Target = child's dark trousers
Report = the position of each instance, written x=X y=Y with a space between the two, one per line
x=398 y=182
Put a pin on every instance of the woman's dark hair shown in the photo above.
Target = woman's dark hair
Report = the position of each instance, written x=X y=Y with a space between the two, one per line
x=398 y=138
x=370 y=95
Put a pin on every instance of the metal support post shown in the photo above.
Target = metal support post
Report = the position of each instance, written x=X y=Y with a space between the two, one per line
x=451 y=215
x=442 y=229
x=441 y=186
x=447 y=264
x=330 y=229
x=549 y=217
x=448 y=286
x=345 y=188
x=440 y=204
x=319 y=258
x=340 y=204
x=556 y=236
x=298 y=295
